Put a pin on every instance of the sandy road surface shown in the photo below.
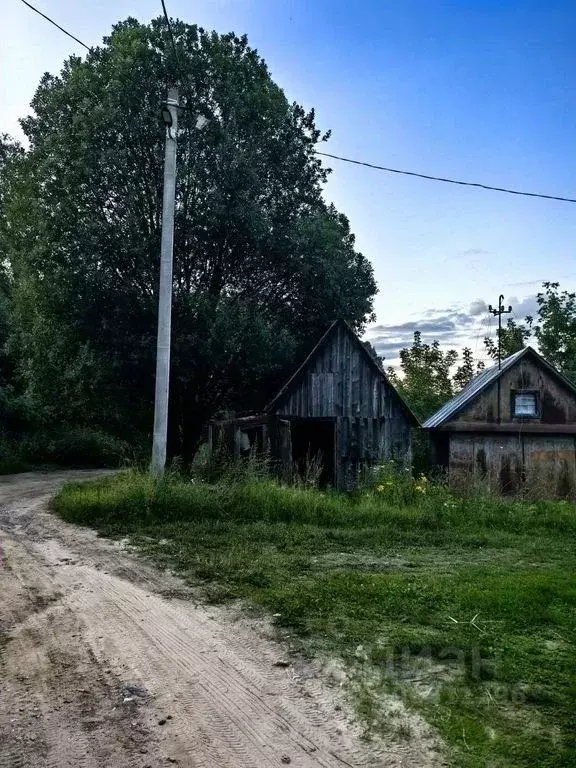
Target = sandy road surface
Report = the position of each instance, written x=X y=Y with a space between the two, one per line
x=107 y=663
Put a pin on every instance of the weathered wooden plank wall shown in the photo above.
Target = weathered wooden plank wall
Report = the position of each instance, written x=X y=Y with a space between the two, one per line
x=538 y=466
x=339 y=382
x=371 y=422
x=557 y=403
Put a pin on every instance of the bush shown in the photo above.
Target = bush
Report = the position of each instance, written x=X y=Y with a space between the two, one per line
x=74 y=448
x=398 y=487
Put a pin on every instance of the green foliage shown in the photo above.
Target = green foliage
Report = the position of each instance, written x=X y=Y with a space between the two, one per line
x=10 y=151
x=66 y=447
x=464 y=608
x=400 y=488
x=12 y=409
x=425 y=382
x=404 y=506
x=513 y=338
x=467 y=369
x=219 y=466
x=426 y=379
x=429 y=377
x=555 y=329
x=261 y=264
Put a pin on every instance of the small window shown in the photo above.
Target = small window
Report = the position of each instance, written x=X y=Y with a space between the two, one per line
x=525 y=405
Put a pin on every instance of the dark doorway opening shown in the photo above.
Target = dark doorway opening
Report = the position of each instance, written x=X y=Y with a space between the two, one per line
x=441 y=452
x=313 y=449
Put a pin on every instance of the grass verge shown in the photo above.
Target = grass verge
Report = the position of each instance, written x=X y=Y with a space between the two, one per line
x=466 y=609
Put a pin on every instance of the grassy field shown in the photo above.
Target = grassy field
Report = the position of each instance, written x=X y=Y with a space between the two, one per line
x=465 y=609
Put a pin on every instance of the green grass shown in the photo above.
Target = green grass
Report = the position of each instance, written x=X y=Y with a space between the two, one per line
x=389 y=582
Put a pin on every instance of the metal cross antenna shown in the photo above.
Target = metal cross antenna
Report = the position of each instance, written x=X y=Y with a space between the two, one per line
x=499 y=312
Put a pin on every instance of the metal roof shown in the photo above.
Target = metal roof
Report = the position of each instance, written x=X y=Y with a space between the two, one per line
x=474 y=387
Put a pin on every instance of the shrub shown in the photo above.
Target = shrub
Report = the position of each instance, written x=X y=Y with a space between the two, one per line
x=398 y=487
x=74 y=448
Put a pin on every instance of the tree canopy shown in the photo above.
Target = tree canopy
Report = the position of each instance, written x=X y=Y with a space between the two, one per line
x=555 y=327
x=553 y=330
x=262 y=264
x=513 y=337
x=429 y=376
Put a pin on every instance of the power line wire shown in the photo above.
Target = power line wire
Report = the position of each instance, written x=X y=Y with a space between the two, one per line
x=185 y=80
x=446 y=181
x=172 y=40
x=55 y=24
x=327 y=154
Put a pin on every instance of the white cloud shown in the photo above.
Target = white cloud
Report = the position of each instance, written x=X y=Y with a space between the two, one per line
x=478 y=307
x=523 y=307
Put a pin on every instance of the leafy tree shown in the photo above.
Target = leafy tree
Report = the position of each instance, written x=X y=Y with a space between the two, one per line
x=427 y=378
x=513 y=338
x=9 y=152
x=467 y=369
x=10 y=408
x=262 y=264
x=425 y=383
x=555 y=330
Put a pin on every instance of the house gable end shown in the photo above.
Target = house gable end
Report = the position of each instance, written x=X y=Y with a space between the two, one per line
x=339 y=378
x=532 y=392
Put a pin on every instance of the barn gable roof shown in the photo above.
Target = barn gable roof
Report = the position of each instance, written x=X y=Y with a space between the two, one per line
x=296 y=376
x=486 y=378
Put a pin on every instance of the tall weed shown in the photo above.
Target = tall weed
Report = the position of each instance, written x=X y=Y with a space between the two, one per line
x=413 y=505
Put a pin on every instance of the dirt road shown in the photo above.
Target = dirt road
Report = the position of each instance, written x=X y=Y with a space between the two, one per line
x=106 y=662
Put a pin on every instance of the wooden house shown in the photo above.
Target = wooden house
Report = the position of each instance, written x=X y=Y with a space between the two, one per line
x=512 y=429
x=338 y=408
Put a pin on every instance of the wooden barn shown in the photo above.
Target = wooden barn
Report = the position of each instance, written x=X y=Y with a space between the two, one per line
x=338 y=408
x=512 y=429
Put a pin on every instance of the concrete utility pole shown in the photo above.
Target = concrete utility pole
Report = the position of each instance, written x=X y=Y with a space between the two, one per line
x=170 y=117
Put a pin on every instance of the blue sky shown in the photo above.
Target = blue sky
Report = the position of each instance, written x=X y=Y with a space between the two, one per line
x=482 y=91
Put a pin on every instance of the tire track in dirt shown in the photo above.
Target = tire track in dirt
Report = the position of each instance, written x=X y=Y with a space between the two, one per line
x=214 y=697
x=57 y=705
x=228 y=707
